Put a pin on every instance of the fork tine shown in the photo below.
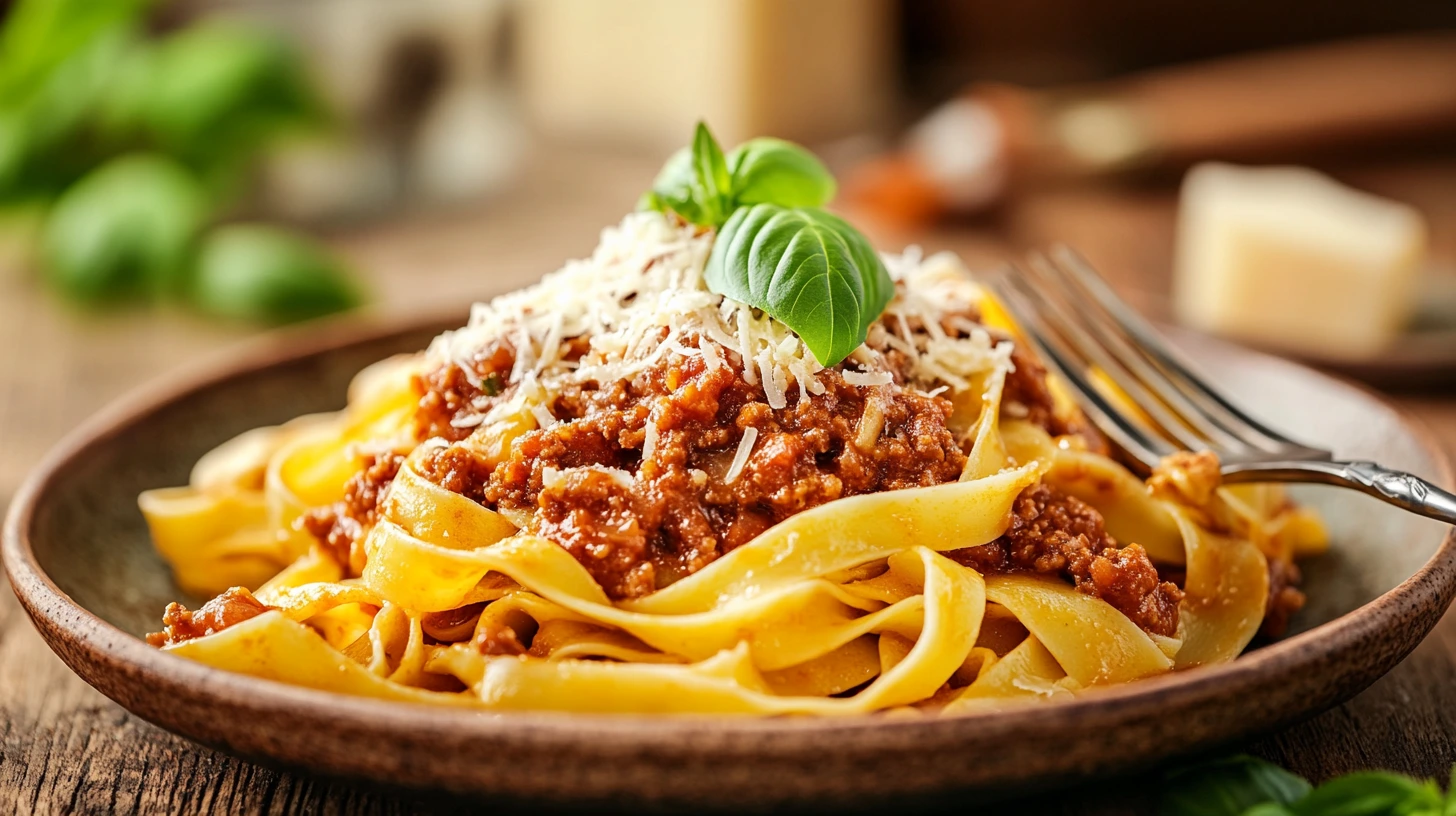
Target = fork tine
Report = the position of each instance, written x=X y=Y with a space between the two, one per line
x=1146 y=448
x=1169 y=404
x=1071 y=323
x=1173 y=363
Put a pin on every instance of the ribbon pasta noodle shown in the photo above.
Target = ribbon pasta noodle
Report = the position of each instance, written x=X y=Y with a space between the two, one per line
x=618 y=492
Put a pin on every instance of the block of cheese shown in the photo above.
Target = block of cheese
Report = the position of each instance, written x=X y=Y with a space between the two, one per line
x=641 y=73
x=1288 y=258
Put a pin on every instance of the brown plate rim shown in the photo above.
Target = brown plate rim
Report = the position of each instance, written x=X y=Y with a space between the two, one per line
x=52 y=609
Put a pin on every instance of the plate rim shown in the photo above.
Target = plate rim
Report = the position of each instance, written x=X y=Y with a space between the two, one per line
x=60 y=618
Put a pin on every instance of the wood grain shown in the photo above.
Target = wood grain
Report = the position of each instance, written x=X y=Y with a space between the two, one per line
x=64 y=748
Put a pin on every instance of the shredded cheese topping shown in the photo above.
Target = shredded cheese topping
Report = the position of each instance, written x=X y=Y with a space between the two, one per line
x=640 y=298
x=740 y=456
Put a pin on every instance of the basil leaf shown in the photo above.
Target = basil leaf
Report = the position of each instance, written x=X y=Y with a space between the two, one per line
x=694 y=183
x=710 y=168
x=806 y=268
x=124 y=230
x=773 y=171
x=216 y=93
x=1371 y=794
x=673 y=187
x=269 y=274
x=1450 y=809
x=40 y=35
x=651 y=201
x=1230 y=786
x=1269 y=809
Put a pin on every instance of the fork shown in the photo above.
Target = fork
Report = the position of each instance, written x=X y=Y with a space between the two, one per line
x=1076 y=324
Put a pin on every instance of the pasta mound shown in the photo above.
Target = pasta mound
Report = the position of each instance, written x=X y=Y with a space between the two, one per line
x=619 y=492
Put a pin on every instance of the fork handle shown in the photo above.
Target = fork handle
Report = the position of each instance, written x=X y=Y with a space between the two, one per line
x=1391 y=486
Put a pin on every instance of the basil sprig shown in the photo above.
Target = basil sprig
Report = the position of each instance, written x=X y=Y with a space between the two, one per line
x=1248 y=786
x=773 y=171
x=704 y=186
x=776 y=250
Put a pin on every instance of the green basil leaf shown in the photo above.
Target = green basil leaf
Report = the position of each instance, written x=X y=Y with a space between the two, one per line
x=773 y=171
x=714 y=183
x=1230 y=786
x=216 y=93
x=676 y=189
x=270 y=275
x=51 y=137
x=40 y=35
x=806 y=268
x=124 y=230
x=675 y=181
x=650 y=201
x=1450 y=809
x=1371 y=794
x=694 y=183
x=1269 y=809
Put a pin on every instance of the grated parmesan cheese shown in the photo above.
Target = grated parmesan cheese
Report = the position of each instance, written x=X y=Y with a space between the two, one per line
x=649 y=440
x=740 y=456
x=640 y=299
x=544 y=417
x=864 y=379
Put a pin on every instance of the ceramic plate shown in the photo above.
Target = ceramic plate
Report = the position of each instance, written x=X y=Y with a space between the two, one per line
x=77 y=552
x=1422 y=357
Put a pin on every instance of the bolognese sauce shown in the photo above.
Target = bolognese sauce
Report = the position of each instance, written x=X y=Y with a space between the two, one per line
x=638 y=524
x=231 y=607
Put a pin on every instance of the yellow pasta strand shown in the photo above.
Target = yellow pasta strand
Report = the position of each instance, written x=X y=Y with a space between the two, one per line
x=1094 y=643
x=273 y=647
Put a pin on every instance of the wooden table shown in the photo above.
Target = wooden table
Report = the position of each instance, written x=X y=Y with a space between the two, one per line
x=65 y=748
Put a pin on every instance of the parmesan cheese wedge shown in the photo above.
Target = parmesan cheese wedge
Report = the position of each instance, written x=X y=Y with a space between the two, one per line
x=1288 y=258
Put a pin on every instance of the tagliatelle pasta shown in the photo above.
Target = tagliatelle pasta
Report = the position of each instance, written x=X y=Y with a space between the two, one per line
x=619 y=492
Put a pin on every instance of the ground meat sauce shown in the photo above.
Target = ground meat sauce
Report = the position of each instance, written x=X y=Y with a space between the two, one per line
x=447 y=392
x=233 y=606
x=1026 y=395
x=1284 y=598
x=1056 y=534
x=340 y=527
x=639 y=526
x=682 y=512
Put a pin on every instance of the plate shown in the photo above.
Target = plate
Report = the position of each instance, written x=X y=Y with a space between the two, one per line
x=1423 y=356
x=77 y=552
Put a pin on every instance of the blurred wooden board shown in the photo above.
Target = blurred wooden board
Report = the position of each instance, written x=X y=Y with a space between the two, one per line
x=65 y=748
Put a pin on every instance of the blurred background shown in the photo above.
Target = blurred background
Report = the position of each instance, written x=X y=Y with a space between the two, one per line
x=175 y=177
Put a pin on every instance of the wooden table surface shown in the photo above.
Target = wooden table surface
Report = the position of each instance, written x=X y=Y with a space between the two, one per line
x=66 y=748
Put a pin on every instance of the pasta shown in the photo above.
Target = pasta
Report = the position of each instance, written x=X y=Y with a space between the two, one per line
x=616 y=491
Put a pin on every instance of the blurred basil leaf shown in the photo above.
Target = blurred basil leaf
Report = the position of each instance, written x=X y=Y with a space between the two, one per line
x=124 y=230
x=1450 y=807
x=48 y=135
x=216 y=93
x=1372 y=793
x=257 y=272
x=1269 y=809
x=40 y=35
x=1229 y=786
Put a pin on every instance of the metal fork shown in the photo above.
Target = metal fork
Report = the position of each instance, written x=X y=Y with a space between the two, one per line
x=1076 y=323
